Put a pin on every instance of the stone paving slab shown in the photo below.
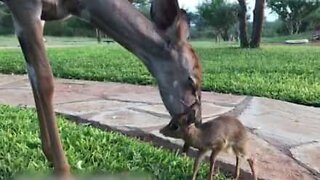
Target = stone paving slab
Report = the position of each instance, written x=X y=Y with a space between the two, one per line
x=70 y=94
x=209 y=110
x=308 y=155
x=6 y=79
x=129 y=119
x=90 y=107
x=148 y=97
x=222 y=99
x=20 y=83
x=23 y=96
x=112 y=91
x=282 y=123
x=107 y=91
x=286 y=125
x=16 y=97
x=281 y=132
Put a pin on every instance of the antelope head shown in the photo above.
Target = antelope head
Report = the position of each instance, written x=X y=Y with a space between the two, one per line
x=162 y=46
x=179 y=75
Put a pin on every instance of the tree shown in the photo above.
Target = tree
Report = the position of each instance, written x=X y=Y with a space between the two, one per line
x=196 y=20
x=99 y=33
x=313 y=20
x=6 y=25
x=220 y=15
x=292 y=12
x=143 y=6
x=244 y=43
x=258 y=17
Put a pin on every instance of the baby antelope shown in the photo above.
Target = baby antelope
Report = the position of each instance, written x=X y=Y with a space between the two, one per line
x=220 y=134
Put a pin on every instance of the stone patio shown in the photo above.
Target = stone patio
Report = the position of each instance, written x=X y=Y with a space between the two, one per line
x=285 y=137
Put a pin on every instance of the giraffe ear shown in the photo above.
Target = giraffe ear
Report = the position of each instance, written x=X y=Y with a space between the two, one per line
x=164 y=12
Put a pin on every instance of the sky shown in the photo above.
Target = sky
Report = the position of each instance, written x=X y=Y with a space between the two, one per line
x=192 y=4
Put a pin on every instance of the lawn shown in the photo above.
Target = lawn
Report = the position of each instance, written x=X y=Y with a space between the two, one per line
x=290 y=73
x=12 y=41
x=89 y=150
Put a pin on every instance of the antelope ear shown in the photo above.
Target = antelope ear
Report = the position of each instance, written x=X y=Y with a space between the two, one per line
x=164 y=12
x=168 y=17
x=182 y=26
x=179 y=30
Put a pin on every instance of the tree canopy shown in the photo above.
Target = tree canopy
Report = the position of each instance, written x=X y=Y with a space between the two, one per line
x=143 y=6
x=6 y=25
x=292 y=13
x=219 y=14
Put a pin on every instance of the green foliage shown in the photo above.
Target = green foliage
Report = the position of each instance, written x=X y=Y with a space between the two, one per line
x=143 y=6
x=203 y=33
x=220 y=15
x=270 y=29
x=89 y=150
x=198 y=26
x=279 y=72
x=197 y=20
x=289 y=73
x=141 y=3
x=70 y=27
x=292 y=13
x=6 y=25
x=314 y=19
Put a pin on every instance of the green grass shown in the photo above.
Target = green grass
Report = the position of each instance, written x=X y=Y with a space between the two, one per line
x=88 y=149
x=12 y=41
x=290 y=73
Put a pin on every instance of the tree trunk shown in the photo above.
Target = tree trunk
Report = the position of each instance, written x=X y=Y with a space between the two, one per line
x=297 y=27
x=258 y=16
x=289 y=28
x=98 y=34
x=244 y=43
x=225 y=35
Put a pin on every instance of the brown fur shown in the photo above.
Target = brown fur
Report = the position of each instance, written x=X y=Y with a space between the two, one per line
x=221 y=134
x=162 y=47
